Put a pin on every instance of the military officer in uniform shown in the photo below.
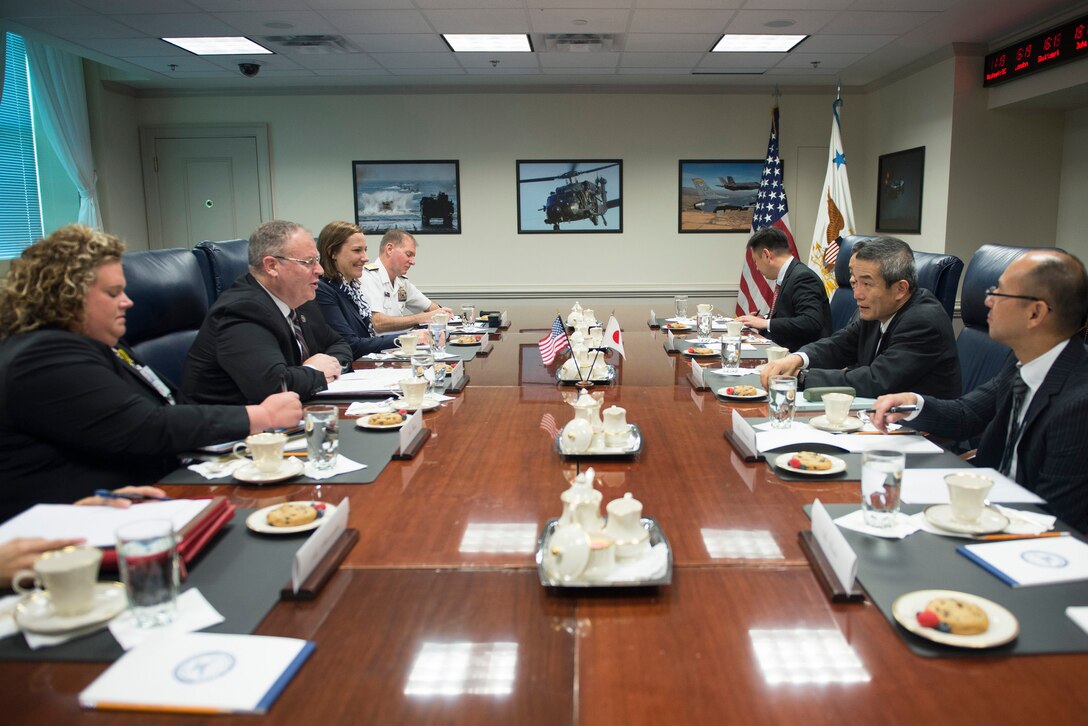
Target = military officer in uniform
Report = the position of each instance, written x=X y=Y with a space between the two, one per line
x=395 y=303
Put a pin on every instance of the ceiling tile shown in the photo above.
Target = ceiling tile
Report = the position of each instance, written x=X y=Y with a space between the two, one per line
x=471 y=4
x=369 y=21
x=177 y=25
x=680 y=21
x=226 y=6
x=556 y=61
x=755 y=21
x=77 y=27
x=478 y=21
x=39 y=8
x=844 y=43
x=663 y=42
x=726 y=61
x=799 y=4
x=361 y=4
x=334 y=61
x=851 y=23
x=837 y=61
x=506 y=60
x=660 y=60
x=131 y=47
x=138 y=7
x=302 y=23
x=416 y=60
x=546 y=20
x=398 y=43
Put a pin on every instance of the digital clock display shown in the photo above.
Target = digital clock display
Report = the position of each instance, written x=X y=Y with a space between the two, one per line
x=1056 y=46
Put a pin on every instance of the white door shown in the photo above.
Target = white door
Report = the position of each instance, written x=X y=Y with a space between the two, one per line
x=204 y=187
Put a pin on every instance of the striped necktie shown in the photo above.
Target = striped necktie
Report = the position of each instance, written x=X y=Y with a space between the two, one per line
x=297 y=328
x=774 y=301
x=1019 y=393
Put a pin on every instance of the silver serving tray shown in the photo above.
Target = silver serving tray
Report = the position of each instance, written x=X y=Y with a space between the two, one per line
x=634 y=446
x=608 y=377
x=656 y=535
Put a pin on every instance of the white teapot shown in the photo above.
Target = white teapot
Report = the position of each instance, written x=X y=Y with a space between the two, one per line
x=588 y=407
x=582 y=504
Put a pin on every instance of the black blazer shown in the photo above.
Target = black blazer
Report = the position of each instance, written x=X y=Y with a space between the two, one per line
x=917 y=353
x=1050 y=457
x=343 y=316
x=74 y=418
x=246 y=351
x=802 y=314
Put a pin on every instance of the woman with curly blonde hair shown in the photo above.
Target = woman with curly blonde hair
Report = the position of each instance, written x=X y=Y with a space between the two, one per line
x=78 y=412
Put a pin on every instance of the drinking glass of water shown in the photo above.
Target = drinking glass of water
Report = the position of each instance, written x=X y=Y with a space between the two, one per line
x=881 y=481
x=438 y=333
x=322 y=435
x=423 y=365
x=147 y=556
x=468 y=316
x=702 y=321
x=730 y=352
x=782 y=400
x=681 y=303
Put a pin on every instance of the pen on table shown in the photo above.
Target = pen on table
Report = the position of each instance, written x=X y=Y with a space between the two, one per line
x=996 y=537
x=107 y=494
x=906 y=408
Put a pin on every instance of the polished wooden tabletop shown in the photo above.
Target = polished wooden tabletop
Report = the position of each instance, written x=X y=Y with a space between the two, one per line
x=437 y=615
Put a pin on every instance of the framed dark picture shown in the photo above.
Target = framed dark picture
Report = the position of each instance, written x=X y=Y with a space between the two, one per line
x=570 y=196
x=422 y=197
x=718 y=195
x=899 y=191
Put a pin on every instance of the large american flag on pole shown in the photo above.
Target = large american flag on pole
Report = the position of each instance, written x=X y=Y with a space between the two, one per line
x=771 y=211
x=554 y=341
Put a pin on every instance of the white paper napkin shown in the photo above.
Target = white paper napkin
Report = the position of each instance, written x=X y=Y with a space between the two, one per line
x=218 y=469
x=194 y=613
x=905 y=525
x=650 y=566
x=343 y=466
x=7 y=615
x=1022 y=522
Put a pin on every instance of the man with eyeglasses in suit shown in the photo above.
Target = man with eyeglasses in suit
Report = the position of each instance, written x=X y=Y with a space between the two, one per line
x=1032 y=415
x=266 y=334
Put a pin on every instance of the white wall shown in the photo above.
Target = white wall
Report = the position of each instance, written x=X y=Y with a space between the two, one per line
x=1073 y=198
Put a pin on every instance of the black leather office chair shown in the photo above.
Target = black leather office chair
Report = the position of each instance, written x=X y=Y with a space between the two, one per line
x=981 y=357
x=940 y=274
x=843 y=306
x=170 y=302
x=222 y=264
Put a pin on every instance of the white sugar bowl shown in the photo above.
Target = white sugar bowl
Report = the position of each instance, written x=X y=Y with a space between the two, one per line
x=576 y=437
x=625 y=528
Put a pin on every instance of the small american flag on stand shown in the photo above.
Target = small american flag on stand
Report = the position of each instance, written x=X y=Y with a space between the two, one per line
x=554 y=341
x=549 y=425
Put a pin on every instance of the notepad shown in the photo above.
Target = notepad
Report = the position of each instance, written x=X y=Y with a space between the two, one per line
x=199 y=673
x=1028 y=562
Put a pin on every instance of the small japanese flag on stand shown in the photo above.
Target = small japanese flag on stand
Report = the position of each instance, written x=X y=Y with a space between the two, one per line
x=613 y=338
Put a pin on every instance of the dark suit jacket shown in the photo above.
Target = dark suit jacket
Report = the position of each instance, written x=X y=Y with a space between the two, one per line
x=802 y=314
x=1050 y=458
x=245 y=350
x=917 y=353
x=343 y=316
x=74 y=417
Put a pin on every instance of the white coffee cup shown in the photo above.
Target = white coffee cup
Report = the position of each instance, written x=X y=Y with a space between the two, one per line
x=776 y=352
x=266 y=449
x=68 y=577
x=837 y=407
x=967 y=495
x=414 y=389
x=733 y=328
x=407 y=342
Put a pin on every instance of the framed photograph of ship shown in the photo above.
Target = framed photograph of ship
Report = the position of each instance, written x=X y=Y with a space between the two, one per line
x=570 y=196
x=718 y=195
x=421 y=197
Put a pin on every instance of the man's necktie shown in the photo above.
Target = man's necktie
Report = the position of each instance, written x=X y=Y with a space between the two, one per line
x=1019 y=393
x=297 y=327
x=774 y=300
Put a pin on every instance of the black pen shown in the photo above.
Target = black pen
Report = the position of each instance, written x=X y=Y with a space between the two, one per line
x=907 y=408
x=107 y=494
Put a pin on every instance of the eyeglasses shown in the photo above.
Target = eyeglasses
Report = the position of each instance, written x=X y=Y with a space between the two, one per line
x=992 y=292
x=308 y=262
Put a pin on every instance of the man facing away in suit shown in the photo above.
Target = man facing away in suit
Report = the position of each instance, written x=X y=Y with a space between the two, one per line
x=901 y=338
x=266 y=334
x=1032 y=415
x=800 y=312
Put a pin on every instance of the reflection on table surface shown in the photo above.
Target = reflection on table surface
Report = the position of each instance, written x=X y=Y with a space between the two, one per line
x=437 y=615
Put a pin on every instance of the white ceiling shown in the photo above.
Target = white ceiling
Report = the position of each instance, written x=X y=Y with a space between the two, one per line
x=656 y=43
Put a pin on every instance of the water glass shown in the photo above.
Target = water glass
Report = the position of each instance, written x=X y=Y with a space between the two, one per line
x=730 y=352
x=147 y=555
x=703 y=322
x=681 y=303
x=322 y=435
x=423 y=365
x=881 y=480
x=439 y=333
x=468 y=315
x=782 y=400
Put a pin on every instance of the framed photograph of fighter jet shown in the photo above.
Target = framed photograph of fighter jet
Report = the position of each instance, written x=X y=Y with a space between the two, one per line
x=899 y=191
x=718 y=195
x=570 y=196
x=421 y=197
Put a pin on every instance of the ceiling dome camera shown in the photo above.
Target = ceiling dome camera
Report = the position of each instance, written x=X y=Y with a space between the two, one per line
x=249 y=69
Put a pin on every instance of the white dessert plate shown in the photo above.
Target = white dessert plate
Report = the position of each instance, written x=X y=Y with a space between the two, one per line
x=258 y=521
x=990 y=521
x=35 y=612
x=249 y=473
x=850 y=423
x=1004 y=626
x=676 y=327
x=363 y=422
x=760 y=393
x=837 y=465
x=696 y=351
x=457 y=340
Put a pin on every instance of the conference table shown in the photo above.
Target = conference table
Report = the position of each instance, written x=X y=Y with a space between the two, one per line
x=438 y=616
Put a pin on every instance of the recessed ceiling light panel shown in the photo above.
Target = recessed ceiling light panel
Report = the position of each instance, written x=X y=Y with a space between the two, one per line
x=752 y=43
x=470 y=43
x=218 y=46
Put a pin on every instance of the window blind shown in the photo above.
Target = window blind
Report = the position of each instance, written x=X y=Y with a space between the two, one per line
x=20 y=207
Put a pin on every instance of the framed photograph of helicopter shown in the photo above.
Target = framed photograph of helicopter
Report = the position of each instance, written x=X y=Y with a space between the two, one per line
x=718 y=195
x=422 y=197
x=570 y=196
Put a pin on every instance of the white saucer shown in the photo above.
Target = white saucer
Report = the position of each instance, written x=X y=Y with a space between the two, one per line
x=850 y=423
x=250 y=474
x=35 y=612
x=429 y=404
x=258 y=521
x=837 y=465
x=991 y=520
x=363 y=422
x=401 y=353
x=1003 y=624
